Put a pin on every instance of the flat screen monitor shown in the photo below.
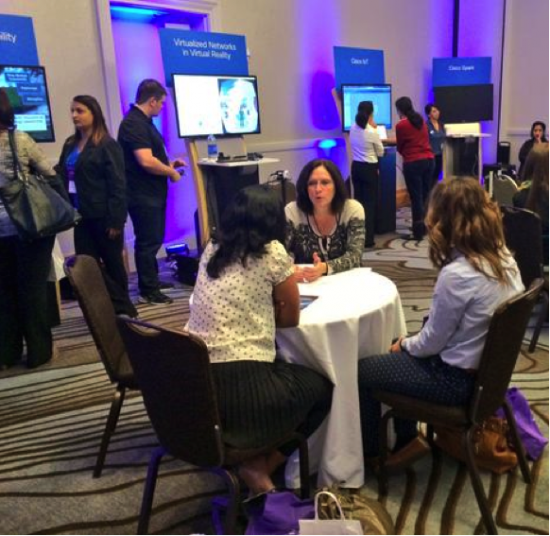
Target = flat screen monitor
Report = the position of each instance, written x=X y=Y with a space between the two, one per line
x=465 y=104
x=353 y=94
x=219 y=105
x=28 y=94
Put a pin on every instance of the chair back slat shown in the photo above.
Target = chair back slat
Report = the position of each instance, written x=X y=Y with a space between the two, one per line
x=523 y=234
x=173 y=372
x=89 y=287
x=504 y=189
x=501 y=350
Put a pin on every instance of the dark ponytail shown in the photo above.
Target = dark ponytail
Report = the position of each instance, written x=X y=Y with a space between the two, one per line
x=404 y=107
x=361 y=120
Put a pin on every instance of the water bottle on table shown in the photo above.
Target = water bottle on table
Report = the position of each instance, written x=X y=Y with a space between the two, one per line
x=212 y=146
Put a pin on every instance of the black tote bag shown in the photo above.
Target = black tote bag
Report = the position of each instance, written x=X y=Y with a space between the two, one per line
x=35 y=208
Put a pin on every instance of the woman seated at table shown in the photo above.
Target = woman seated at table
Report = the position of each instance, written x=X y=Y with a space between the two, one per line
x=533 y=194
x=476 y=274
x=244 y=290
x=324 y=227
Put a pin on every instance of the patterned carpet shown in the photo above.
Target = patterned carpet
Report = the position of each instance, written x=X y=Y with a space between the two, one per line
x=51 y=422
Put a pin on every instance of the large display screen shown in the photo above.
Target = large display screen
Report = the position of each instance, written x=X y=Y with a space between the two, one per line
x=219 y=105
x=28 y=94
x=465 y=104
x=353 y=94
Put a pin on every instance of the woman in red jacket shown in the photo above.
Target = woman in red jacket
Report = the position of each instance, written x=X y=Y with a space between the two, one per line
x=413 y=143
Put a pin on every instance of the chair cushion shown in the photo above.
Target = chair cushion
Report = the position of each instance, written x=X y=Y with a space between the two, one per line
x=408 y=407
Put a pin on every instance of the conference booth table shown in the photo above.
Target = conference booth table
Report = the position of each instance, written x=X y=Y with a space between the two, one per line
x=356 y=314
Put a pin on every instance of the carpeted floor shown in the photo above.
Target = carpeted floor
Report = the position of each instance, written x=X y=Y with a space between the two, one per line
x=51 y=421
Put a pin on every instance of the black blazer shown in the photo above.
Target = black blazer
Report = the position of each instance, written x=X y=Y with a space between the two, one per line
x=100 y=180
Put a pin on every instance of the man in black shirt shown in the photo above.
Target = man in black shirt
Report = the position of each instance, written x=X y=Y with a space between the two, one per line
x=147 y=168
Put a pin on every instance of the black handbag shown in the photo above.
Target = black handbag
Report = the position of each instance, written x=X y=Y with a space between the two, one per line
x=35 y=207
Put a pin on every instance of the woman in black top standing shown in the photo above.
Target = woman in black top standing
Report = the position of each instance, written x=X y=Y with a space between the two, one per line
x=538 y=135
x=436 y=131
x=92 y=165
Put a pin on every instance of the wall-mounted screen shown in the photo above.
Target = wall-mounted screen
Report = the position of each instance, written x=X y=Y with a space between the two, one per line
x=465 y=104
x=219 y=105
x=353 y=94
x=28 y=94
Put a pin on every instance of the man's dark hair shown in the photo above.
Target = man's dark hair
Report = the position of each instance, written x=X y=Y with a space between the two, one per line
x=149 y=89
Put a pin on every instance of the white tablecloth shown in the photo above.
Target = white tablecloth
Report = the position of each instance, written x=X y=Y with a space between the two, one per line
x=357 y=314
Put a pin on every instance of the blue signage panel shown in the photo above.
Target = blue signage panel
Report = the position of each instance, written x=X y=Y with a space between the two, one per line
x=17 y=41
x=461 y=71
x=358 y=66
x=185 y=52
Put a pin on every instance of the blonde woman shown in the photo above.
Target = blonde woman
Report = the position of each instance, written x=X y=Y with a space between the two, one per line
x=439 y=364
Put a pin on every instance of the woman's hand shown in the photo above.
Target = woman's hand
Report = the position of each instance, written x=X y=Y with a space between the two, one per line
x=113 y=233
x=312 y=273
x=396 y=346
x=298 y=274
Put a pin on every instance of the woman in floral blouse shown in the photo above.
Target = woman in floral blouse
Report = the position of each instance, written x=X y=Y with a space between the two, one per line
x=324 y=227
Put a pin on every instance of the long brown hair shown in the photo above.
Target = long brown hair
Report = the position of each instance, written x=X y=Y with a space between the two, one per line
x=461 y=217
x=99 y=126
x=536 y=170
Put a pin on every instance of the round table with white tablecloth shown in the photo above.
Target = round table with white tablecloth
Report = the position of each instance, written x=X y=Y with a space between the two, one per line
x=355 y=314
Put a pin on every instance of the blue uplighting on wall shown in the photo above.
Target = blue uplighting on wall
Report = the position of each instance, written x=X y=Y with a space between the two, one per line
x=128 y=12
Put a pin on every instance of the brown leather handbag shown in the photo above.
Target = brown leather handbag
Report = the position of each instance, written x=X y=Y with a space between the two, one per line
x=491 y=446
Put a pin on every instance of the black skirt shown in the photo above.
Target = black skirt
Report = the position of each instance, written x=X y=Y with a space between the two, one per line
x=261 y=402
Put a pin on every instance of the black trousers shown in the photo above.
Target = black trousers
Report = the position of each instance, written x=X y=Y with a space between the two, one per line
x=24 y=270
x=365 y=187
x=418 y=178
x=438 y=167
x=149 y=226
x=261 y=402
x=90 y=238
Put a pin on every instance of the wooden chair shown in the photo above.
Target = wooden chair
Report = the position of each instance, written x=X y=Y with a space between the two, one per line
x=89 y=287
x=497 y=363
x=522 y=231
x=174 y=373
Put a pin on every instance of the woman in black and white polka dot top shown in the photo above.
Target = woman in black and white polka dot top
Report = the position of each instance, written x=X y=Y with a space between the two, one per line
x=245 y=290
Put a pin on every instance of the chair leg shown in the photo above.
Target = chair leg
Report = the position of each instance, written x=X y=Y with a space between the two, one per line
x=518 y=445
x=149 y=490
x=232 y=511
x=467 y=446
x=540 y=322
x=112 y=420
x=383 y=453
x=304 y=468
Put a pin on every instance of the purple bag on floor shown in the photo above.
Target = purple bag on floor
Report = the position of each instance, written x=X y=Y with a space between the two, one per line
x=280 y=514
x=529 y=433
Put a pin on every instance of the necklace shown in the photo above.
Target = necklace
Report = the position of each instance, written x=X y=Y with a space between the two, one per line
x=326 y=228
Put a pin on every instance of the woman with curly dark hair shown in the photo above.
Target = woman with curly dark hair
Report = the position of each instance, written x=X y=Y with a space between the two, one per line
x=476 y=274
x=245 y=289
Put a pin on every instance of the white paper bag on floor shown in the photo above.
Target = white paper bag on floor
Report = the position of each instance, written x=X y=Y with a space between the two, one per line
x=330 y=526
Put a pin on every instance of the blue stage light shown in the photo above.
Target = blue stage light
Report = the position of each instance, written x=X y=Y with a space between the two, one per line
x=327 y=144
x=135 y=12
